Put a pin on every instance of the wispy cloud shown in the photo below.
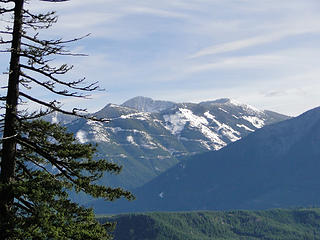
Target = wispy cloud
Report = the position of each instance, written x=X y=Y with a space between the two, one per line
x=253 y=41
x=240 y=62
x=275 y=93
x=155 y=12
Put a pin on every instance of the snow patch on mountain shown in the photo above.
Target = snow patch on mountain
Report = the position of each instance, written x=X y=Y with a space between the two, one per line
x=245 y=107
x=119 y=129
x=245 y=127
x=130 y=139
x=148 y=146
x=98 y=130
x=175 y=123
x=148 y=143
x=205 y=144
x=221 y=109
x=156 y=168
x=217 y=142
x=201 y=123
x=115 y=129
x=140 y=116
x=255 y=121
x=209 y=115
x=54 y=118
x=230 y=133
x=194 y=120
x=161 y=195
x=82 y=136
x=225 y=130
x=111 y=105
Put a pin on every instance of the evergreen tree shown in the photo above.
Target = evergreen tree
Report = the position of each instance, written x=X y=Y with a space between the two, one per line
x=40 y=161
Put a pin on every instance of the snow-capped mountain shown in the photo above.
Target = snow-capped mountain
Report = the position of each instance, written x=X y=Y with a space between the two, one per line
x=274 y=167
x=147 y=137
x=217 y=123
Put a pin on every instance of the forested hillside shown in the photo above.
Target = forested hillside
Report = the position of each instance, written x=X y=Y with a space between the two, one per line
x=231 y=225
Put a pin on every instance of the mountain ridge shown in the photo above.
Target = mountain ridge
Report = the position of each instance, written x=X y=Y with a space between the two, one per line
x=145 y=104
x=276 y=166
x=148 y=143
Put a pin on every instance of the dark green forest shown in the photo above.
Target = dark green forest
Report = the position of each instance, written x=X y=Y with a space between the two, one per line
x=277 y=224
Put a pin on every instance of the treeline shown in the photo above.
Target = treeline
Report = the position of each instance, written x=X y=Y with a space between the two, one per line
x=275 y=224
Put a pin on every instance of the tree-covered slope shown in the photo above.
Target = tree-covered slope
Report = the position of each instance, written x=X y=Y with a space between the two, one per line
x=276 y=224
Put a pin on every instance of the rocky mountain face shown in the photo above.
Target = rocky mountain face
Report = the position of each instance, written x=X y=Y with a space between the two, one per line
x=147 y=137
x=276 y=166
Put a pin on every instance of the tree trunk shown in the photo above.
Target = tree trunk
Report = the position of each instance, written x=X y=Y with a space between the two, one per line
x=8 y=160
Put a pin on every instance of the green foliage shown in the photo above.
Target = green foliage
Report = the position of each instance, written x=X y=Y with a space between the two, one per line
x=275 y=224
x=50 y=163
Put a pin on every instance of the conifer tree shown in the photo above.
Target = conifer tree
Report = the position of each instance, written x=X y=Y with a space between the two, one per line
x=41 y=162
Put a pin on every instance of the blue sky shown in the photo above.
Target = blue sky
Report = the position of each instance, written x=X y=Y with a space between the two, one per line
x=264 y=53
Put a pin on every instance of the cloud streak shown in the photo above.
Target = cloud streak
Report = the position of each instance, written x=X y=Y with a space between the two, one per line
x=251 y=62
x=253 y=41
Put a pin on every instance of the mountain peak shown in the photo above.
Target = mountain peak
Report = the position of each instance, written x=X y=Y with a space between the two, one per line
x=146 y=104
x=217 y=101
x=229 y=101
x=138 y=98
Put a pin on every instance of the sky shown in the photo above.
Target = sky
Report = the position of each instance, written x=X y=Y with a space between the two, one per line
x=264 y=53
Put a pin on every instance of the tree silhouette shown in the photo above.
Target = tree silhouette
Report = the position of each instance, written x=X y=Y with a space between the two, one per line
x=41 y=162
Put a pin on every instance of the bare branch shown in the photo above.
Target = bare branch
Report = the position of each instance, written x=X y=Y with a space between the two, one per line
x=6 y=138
x=53 y=42
x=39 y=21
x=51 y=87
x=49 y=50
x=4 y=10
x=4 y=42
x=35 y=115
x=6 y=32
x=49 y=72
x=52 y=105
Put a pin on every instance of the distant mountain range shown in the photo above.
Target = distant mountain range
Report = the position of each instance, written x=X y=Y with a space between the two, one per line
x=147 y=137
x=276 y=166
